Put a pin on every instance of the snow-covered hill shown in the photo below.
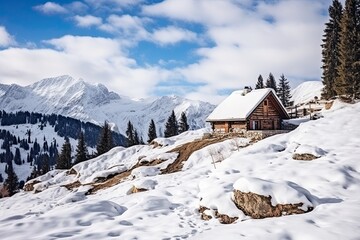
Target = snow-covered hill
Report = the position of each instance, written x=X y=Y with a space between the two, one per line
x=306 y=92
x=169 y=209
x=75 y=98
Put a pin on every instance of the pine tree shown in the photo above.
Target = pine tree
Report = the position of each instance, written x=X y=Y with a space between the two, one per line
x=152 y=131
x=45 y=165
x=284 y=91
x=11 y=182
x=331 y=50
x=348 y=82
x=130 y=134
x=81 y=150
x=183 y=125
x=260 y=83
x=171 y=126
x=271 y=83
x=64 y=159
x=136 y=138
x=17 y=158
x=105 y=141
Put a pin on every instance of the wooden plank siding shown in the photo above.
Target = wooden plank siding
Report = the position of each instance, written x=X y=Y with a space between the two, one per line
x=225 y=127
x=266 y=114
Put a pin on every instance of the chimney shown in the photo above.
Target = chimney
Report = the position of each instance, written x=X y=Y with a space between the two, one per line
x=246 y=90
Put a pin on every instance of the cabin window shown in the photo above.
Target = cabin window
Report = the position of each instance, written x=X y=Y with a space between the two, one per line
x=265 y=103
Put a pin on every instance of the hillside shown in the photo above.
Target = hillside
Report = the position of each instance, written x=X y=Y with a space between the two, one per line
x=66 y=205
x=306 y=92
x=47 y=134
x=95 y=103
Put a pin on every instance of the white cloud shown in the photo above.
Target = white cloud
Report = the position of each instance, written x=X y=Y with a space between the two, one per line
x=87 y=21
x=5 y=38
x=246 y=44
x=172 y=35
x=51 y=8
x=207 y=12
x=112 y=5
x=77 y=7
x=130 y=28
x=93 y=59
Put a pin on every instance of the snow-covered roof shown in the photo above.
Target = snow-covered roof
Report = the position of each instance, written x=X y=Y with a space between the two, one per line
x=238 y=106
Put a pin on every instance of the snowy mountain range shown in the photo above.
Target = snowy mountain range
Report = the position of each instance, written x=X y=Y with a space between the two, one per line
x=95 y=103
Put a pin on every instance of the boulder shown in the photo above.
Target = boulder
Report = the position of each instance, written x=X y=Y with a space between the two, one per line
x=259 y=198
x=259 y=206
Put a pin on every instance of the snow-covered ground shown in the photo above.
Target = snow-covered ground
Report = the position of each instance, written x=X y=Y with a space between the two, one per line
x=306 y=92
x=169 y=209
x=48 y=133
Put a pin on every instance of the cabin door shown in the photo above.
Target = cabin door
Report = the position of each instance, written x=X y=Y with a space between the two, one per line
x=255 y=125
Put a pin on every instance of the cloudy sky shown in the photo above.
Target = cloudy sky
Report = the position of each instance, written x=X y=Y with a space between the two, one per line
x=200 y=49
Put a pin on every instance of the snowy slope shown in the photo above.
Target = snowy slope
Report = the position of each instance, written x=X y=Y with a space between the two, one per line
x=23 y=171
x=169 y=210
x=75 y=98
x=306 y=92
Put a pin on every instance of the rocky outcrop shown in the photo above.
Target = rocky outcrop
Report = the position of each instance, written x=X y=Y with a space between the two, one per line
x=223 y=218
x=29 y=186
x=304 y=156
x=134 y=189
x=259 y=206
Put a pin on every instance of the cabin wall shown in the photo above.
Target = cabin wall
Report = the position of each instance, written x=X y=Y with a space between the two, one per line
x=266 y=116
x=225 y=127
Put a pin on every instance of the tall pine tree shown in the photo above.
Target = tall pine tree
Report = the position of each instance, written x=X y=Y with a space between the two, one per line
x=81 y=149
x=331 y=50
x=183 y=125
x=348 y=82
x=11 y=182
x=105 y=140
x=130 y=133
x=64 y=159
x=284 y=91
x=152 y=131
x=171 y=126
x=260 y=83
x=271 y=83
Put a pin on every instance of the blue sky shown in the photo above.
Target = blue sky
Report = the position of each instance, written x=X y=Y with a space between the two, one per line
x=200 y=49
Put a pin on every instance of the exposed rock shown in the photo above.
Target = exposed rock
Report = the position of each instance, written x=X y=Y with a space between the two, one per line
x=136 y=190
x=259 y=206
x=29 y=186
x=225 y=219
x=71 y=172
x=304 y=156
x=203 y=215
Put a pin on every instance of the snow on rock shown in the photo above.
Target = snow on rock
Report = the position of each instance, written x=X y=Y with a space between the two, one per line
x=109 y=163
x=49 y=179
x=145 y=171
x=308 y=149
x=306 y=92
x=280 y=192
x=216 y=194
x=146 y=184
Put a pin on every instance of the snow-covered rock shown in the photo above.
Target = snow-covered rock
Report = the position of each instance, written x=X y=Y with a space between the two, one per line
x=261 y=198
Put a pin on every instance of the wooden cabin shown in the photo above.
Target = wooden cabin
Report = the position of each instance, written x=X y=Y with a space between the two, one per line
x=258 y=109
